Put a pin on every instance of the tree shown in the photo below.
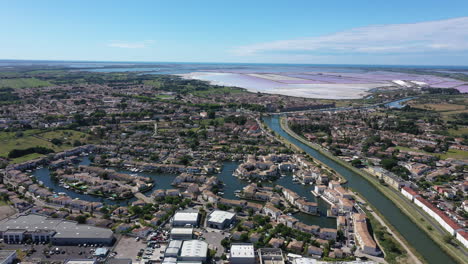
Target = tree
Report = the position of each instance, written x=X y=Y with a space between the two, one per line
x=388 y=164
x=211 y=114
x=81 y=219
x=356 y=162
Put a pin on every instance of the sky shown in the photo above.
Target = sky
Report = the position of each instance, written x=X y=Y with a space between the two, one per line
x=402 y=32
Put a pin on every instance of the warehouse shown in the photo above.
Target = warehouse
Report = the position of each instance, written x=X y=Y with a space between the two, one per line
x=194 y=250
x=186 y=218
x=242 y=254
x=40 y=228
x=180 y=233
x=172 y=250
x=220 y=219
x=7 y=256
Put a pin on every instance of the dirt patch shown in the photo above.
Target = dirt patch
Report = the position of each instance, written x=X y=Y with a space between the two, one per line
x=6 y=211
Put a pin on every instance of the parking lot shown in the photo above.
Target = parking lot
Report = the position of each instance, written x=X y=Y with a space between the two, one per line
x=127 y=247
x=213 y=237
x=141 y=251
x=40 y=252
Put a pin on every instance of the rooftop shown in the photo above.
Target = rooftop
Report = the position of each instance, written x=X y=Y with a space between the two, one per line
x=181 y=231
x=187 y=215
x=64 y=228
x=4 y=254
x=220 y=216
x=194 y=248
x=242 y=251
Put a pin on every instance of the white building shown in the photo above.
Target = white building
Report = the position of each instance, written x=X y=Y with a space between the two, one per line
x=186 y=218
x=194 y=250
x=409 y=193
x=220 y=219
x=242 y=254
x=445 y=221
x=180 y=233
x=462 y=236
x=304 y=261
x=173 y=249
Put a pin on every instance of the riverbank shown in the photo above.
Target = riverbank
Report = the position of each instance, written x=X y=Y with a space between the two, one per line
x=412 y=253
x=414 y=213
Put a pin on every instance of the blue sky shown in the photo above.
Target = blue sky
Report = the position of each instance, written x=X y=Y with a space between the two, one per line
x=326 y=32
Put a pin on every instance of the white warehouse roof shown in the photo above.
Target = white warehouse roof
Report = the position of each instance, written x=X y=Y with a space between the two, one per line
x=194 y=248
x=181 y=231
x=242 y=251
x=186 y=216
x=220 y=216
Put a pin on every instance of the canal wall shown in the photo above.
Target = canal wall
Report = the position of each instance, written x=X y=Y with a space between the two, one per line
x=413 y=213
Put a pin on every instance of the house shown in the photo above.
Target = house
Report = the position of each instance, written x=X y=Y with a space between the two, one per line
x=295 y=246
x=142 y=231
x=314 y=251
x=328 y=233
x=276 y=242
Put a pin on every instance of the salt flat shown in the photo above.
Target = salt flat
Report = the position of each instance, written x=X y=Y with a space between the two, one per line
x=324 y=85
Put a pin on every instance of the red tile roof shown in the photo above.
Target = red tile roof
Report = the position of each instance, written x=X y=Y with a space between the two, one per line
x=441 y=214
x=410 y=191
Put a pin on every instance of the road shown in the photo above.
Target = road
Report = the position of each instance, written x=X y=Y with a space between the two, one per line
x=143 y=197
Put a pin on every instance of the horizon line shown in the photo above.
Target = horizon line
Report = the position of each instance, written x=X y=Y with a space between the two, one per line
x=198 y=62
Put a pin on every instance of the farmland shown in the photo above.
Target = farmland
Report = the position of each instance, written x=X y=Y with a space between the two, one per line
x=63 y=139
x=23 y=83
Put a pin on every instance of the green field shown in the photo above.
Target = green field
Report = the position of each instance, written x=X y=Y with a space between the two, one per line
x=455 y=154
x=217 y=91
x=23 y=83
x=33 y=138
x=459 y=132
x=451 y=153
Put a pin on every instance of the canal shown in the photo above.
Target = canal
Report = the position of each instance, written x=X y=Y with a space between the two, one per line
x=231 y=184
x=410 y=231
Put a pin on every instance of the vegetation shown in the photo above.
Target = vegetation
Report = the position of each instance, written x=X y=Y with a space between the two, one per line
x=23 y=83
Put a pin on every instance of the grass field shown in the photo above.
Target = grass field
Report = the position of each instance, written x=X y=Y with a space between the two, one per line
x=33 y=138
x=224 y=90
x=440 y=107
x=451 y=153
x=458 y=132
x=455 y=154
x=23 y=83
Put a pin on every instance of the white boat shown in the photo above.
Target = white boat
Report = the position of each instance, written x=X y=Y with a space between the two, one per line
x=237 y=191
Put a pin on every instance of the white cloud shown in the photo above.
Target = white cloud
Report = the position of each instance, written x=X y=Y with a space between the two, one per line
x=131 y=45
x=432 y=36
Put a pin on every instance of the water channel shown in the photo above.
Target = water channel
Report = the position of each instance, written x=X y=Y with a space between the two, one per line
x=231 y=184
x=410 y=231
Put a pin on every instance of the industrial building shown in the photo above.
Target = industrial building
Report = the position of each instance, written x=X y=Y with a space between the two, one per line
x=270 y=256
x=180 y=233
x=186 y=218
x=39 y=228
x=242 y=254
x=7 y=256
x=173 y=249
x=220 y=219
x=80 y=261
x=194 y=250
